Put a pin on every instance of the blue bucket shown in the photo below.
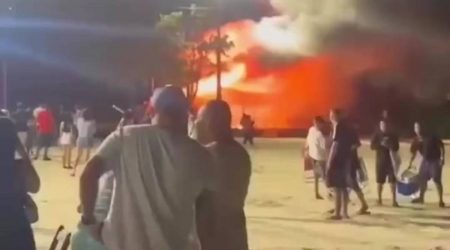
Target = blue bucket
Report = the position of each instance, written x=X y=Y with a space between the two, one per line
x=408 y=184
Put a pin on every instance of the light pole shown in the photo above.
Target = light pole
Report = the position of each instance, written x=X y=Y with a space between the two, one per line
x=4 y=85
x=217 y=42
x=219 y=63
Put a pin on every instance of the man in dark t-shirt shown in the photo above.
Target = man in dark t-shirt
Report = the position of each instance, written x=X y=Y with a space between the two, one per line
x=385 y=143
x=339 y=163
x=432 y=150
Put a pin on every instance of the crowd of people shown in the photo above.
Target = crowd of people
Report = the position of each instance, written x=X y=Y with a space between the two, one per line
x=38 y=131
x=158 y=185
x=334 y=157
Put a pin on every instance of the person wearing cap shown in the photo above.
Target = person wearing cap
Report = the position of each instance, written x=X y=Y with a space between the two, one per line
x=162 y=177
x=233 y=171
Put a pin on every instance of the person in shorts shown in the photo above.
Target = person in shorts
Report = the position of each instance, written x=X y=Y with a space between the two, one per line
x=355 y=167
x=45 y=123
x=316 y=148
x=385 y=143
x=339 y=163
x=86 y=128
x=433 y=152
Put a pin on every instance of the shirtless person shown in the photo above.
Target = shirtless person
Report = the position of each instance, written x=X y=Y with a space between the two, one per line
x=233 y=170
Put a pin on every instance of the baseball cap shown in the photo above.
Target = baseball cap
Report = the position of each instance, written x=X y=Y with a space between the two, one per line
x=169 y=98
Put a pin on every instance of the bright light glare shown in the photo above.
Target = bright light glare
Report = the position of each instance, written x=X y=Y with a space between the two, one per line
x=208 y=85
x=276 y=37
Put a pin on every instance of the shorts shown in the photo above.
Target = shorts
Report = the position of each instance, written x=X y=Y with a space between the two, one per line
x=431 y=169
x=319 y=168
x=23 y=137
x=338 y=174
x=45 y=140
x=85 y=142
x=385 y=172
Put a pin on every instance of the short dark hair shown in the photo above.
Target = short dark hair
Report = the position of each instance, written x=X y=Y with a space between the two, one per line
x=88 y=115
x=219 y=114
x=338 y=112
x=319 y=119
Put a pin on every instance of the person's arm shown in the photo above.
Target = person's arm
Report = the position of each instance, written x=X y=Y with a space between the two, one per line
x=61 y=126
x=206 y=220
x=89 y=187
x=375 y=142
x=30 y=176
x=106 y=158
x=205 y=204
x=395 y=146
x=306 y=147
x=414 y=151
x=442 y=153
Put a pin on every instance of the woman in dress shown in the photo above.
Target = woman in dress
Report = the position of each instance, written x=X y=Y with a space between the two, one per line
x=16 y=180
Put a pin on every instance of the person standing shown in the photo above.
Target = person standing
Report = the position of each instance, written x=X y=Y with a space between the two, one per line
x=45 y=123
x=248 y=129
x=86 y=128
x=385 y=143
x=339 y=163
x=66 y=131
x=355 y=168
x=162 y=178
x=21 y=118
x=433 y=153
x=16 y=180
x=233 y=172
x=316 y=148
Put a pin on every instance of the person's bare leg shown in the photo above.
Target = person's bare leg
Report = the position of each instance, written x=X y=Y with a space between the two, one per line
x=77 y=161
x=69 y=156
x=38 y=152
x=364 y=206
x=423 y=189
x=345 y=201
x=380 y=192
x=439 y=189
x=316 y=187
x=46 y=153
x=64 y=158
x=337 y=204
x=394 y=194
x=88 y=154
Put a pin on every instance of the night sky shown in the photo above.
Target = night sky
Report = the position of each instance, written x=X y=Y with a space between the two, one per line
x=85 y=42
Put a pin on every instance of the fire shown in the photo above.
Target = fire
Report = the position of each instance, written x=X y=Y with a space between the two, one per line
x=289 y=94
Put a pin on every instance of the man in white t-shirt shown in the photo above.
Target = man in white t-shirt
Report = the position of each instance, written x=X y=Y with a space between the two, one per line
x=164 y=183
x=316 y=148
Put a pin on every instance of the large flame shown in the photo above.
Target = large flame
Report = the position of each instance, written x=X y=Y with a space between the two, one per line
x=289 y=95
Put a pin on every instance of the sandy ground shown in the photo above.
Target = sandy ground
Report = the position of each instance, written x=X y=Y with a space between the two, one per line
x=281 y=209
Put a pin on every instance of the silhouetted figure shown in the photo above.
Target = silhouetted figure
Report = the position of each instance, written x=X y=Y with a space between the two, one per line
x=233 y=170
x=430 y=146
x=45 y=123
x=248 y=129
x=17 y=178
x=385 y=143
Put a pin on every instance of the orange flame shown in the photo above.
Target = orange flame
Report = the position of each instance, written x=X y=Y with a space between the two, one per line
x=289 y=96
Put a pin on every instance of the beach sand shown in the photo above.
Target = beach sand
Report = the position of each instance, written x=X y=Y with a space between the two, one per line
x=281 y=210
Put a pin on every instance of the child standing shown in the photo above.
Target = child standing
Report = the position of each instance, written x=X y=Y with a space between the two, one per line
x=66 y=130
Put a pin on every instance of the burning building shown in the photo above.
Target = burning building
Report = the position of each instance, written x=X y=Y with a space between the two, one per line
x=315 y=55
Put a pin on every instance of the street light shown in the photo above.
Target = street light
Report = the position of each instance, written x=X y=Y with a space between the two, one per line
x=4 y=85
